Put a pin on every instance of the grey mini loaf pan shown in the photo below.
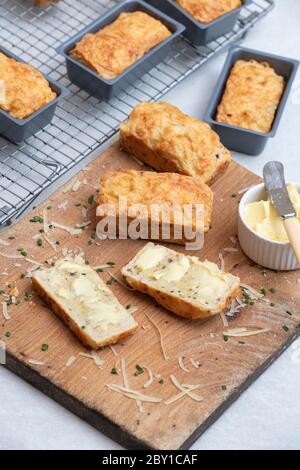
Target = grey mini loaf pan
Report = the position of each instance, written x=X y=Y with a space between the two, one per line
x=200 y=34
x=87 y=79
x=237 y=138
x=18 y=130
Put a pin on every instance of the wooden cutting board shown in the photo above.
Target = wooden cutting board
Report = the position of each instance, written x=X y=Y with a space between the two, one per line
x=226 y=368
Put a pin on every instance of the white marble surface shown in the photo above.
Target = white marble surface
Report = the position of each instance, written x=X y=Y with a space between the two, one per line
x=267 y=416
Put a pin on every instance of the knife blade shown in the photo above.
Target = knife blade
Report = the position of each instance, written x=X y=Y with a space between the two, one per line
x=276 y=187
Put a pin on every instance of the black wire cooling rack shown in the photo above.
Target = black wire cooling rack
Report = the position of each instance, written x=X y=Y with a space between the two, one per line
x=82 y=123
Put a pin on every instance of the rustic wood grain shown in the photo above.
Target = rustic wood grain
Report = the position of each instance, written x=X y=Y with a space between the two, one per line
x=82 y=387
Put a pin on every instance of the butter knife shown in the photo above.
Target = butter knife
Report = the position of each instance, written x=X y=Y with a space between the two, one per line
x=276 y=187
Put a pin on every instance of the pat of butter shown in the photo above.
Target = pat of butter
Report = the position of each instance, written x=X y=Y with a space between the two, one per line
x=264 y=220
x=150 y=258
x=174 y=271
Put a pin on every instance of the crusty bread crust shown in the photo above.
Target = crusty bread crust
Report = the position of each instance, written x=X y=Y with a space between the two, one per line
x=206 y=11
x=147 y=188
x=178 y=305
x=252 y=94
x=25 y=89
x=166 y=139
x=79 y=332
x=113 y=49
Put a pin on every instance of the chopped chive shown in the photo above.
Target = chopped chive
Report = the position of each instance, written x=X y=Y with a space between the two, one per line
x=289 y=312
x=286 y=328
x=224 y=387
x=226 y=338
x=114 y=371
x=11 y=238
x=272 y=304
x=234 y=195
x=128 y=307
x=91 y=199
x=99 y=270
x=39 y=242
x=7 y=334
x=23 y=253
x=37 y=218
x=263 y=291
x=272 y=290
x=44 y=347
x=242 y=342
x=139 y=370
x=49 y=207
x=111 y=263
x=161 y=381
x=110 y=281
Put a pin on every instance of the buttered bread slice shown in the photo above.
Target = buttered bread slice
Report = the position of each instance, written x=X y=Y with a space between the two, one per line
x=83 y=301
x=182 y=284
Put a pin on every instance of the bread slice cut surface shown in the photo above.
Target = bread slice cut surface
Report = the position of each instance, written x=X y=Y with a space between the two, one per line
x=83 y=301
x=183 y=284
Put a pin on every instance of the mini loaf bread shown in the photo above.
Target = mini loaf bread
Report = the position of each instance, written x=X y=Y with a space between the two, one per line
x=182 y=284
x=252 y=95
x=113 y=49
x=205 y=11
x=23 y=89
x=75 y=292
x=169 y=190
x=160 y=135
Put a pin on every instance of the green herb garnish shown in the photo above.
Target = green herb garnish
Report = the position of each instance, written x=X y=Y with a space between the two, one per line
x=39 y=242
x=91 y=199
x=286 y=328
x=114 y=371
x=45 y=347
x=37 y=218
x=7 y=334
x=139 y=370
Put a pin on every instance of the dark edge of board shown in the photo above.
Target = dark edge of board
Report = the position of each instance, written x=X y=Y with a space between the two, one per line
x=115 y=432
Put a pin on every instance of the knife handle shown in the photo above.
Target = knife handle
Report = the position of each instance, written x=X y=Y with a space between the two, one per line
x=292 y=227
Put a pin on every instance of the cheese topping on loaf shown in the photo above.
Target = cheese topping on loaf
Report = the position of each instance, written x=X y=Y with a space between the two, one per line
x=163 y=137
x=23 y=89
x=187 y=278
x=252 y=95
x=114 y=48
x=205 y=11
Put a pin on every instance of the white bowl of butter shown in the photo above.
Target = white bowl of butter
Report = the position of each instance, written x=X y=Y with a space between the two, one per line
x=261 y=232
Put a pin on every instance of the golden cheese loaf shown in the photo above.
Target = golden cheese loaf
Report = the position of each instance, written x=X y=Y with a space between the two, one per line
x=23 y=89
x=114 y=48
x=149 y=188
x=183 y=284
x=160 y=135
x=252 y=95
x=206 y=11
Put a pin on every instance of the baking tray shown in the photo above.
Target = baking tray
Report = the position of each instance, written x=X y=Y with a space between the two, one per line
x=18 y=130
x=82 y=123
x=89 y=80
x=234 y=137
x=200 y=33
